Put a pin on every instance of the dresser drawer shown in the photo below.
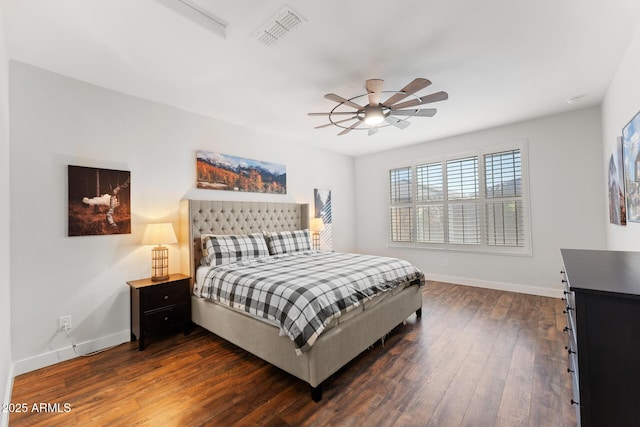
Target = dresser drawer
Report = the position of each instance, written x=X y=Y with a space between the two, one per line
x=570 y=302
x=569 y=311
x=165 y=295
x=575 y=399
x=165 y=319
x=573 y=370
x=570 y=328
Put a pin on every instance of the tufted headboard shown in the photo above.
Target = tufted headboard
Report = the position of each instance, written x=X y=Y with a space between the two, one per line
x=199 y=217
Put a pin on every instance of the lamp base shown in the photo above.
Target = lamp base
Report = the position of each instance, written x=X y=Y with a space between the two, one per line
x=159 y=263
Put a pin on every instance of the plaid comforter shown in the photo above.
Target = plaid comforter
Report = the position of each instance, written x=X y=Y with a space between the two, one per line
x=303 y=291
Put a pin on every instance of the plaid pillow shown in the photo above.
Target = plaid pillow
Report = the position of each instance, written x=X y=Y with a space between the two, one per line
x=225 y=249
x=288 y=241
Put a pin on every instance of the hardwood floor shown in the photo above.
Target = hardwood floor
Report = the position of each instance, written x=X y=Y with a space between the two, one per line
x=478 y=357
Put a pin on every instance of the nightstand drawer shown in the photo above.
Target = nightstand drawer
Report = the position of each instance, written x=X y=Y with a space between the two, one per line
x=165 y=319
x=165 y=295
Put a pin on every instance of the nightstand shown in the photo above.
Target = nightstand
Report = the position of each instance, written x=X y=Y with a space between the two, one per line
x=159 y=307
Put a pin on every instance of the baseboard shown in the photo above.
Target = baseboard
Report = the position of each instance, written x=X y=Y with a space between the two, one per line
x=4 y=416
x=67 y=353
x=500 y=286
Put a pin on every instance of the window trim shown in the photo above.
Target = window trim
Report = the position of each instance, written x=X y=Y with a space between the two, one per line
x=483 y=247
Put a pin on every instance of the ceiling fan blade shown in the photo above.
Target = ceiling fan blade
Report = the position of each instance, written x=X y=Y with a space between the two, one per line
x=434 y=97
x=373 y=130
x=335 y=113
x=334 y=123
x=374 y=89
x=347 y=130
x=426 y=112
x=402 y=124
x=409 y=89
x=341 y=100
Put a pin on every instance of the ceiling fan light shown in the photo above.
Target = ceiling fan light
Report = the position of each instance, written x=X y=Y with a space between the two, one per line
x=373 y=116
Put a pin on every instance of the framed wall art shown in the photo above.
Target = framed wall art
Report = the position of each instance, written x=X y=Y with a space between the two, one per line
x=99 y=201
x=617 y=203
x=216 y=171
x=631 y=160
x=322 y=209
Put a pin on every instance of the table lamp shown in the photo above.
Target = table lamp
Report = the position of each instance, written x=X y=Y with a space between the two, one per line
x=316 y=226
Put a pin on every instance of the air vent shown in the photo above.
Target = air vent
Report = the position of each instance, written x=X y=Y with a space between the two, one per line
x=281 y=24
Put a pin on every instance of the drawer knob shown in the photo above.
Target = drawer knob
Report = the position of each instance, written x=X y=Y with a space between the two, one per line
x=567 y=310
x=570 y=370
x=566 y=329
x=573 y=402
x=569 y=350
x=166 y=297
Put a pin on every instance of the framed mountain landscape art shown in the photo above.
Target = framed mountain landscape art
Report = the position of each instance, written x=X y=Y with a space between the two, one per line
x=216 y=171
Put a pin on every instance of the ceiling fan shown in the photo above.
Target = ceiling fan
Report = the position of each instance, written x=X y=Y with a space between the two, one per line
x=374 y=114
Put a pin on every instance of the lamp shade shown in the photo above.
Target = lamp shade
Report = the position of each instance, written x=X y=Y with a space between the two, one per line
x=316 y=225
x=158 y=234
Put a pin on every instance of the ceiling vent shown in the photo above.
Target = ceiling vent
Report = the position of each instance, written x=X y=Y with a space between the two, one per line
x=281 y=24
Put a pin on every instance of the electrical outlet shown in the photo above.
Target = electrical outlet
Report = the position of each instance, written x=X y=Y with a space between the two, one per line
x=64 y=322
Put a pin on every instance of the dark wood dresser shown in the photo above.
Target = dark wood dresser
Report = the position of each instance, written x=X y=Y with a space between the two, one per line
x=159 y=307
x=602 y=290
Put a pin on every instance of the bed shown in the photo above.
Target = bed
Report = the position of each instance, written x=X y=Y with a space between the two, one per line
x=343 y=338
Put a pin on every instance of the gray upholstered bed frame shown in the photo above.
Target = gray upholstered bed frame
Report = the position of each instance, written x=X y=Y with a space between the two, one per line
x=334 y=348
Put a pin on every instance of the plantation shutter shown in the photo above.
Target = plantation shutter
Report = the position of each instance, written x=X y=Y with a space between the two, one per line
x=504 y=205
x=430 y=204
x=401 y=209
x=463 y=201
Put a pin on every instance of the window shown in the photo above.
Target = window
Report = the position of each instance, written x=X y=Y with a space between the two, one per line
x=471 y=202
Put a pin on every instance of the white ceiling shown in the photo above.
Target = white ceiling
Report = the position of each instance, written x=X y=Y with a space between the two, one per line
x=501 y=61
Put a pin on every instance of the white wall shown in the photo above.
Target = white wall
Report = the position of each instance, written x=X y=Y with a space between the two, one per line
x=566 y=195
x=5 y=266
x=621 y=103
x=57 y=121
